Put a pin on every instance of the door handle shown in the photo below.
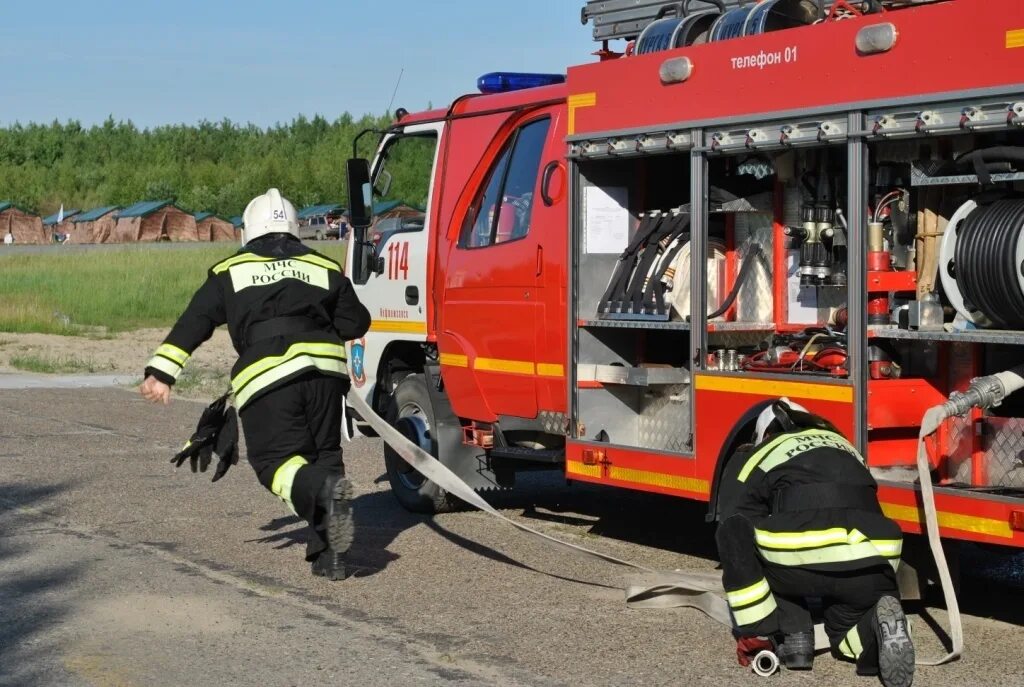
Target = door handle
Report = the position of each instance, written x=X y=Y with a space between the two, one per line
x=545 y=183
x=412 y=295
x=540 y=259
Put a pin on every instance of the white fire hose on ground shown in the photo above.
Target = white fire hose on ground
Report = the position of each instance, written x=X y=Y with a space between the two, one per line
x=703 y=591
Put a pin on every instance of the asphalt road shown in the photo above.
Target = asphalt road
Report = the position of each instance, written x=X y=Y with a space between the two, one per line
x=115 y=569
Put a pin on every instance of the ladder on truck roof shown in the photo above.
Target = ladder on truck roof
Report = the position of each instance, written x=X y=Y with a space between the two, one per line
x=628 y=18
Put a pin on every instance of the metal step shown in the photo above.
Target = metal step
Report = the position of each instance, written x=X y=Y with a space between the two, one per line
x=532 y=455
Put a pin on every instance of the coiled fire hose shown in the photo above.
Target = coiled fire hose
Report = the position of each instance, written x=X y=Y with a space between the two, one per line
x=987 y=264
x=660 y=589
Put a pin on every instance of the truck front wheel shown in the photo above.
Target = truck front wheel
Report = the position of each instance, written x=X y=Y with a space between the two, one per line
x=411 y=414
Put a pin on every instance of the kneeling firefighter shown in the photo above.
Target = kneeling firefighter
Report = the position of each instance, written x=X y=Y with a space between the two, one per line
x=800 y=521
x=289 y=311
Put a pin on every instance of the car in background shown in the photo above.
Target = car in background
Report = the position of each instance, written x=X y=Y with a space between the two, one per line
x=319 y=228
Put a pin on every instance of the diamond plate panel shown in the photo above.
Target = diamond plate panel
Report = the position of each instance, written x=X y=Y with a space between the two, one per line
x=552 y=422
x=664 y=421
x=959 y=436
x=1004 y=451
x=754 y=301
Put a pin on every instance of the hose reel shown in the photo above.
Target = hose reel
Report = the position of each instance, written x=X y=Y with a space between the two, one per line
x=981 y=263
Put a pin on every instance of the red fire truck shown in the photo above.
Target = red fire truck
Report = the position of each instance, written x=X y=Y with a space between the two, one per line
x=849 y=174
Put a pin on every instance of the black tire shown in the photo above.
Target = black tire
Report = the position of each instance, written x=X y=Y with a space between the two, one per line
x=411 y=413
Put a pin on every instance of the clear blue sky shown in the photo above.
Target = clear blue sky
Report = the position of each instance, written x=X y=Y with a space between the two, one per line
x=161 y=62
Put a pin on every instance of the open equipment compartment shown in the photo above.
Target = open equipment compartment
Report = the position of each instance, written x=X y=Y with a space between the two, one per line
x=631 y=346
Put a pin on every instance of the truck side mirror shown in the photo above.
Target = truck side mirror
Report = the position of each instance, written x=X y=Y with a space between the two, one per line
x=359 y=193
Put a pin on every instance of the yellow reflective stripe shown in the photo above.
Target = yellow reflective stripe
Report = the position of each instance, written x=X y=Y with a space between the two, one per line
x=276 y=374
x=577 y=101
x=264 y=364
x=842 y=553
x=758 y=456
x=225 y=265
x=949 y=520
x=748 y=595
x=550 y=370
x=398 y=327
x=756 y=613
x=837 y=393
x=173 y=352
x=454 y=360
x=164 y=365
x=317 y=260
x=787 y=446
x=575 y=467
x=659 y=479
x=519 y=367
x=851 y=646
x=284 y=477
x=1015 y=39
x=807 y=540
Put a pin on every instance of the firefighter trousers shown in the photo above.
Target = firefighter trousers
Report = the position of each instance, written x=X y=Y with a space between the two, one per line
x=293 y=439
x=767 y=599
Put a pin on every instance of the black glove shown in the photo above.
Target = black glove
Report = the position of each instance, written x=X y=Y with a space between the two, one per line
x=227 y=444
x=199 y=449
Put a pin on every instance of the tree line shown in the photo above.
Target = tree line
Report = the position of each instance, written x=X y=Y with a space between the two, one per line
x=216 y=167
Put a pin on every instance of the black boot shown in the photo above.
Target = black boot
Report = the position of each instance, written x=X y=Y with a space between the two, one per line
x=895 y=649
x=330 y=564
x=334 y=514
x=797 y=651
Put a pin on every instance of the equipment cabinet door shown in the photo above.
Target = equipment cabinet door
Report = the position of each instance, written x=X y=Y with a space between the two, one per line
x=494 y=295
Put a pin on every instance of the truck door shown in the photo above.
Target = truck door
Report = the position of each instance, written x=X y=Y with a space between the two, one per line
x=394 y=291
x=494 y=294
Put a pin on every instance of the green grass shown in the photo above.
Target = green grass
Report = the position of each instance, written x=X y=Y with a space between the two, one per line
x=50 y=365
x=101 y=292
x=202 y=382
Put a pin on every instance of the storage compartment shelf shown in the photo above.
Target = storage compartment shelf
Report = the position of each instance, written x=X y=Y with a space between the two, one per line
x=635 y=324
x=995 y=336
x=631 y=376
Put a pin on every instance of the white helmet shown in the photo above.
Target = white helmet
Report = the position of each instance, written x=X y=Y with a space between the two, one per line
x=767 y=417
x=268 y=214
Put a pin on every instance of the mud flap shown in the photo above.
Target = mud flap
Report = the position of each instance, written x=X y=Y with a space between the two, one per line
x=468 y=462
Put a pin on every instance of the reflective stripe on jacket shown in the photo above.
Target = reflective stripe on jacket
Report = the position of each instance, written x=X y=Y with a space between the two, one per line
x=274 y=276
x=822 y=537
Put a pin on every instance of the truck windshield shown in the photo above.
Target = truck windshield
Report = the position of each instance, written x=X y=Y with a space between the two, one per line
x=402 y=179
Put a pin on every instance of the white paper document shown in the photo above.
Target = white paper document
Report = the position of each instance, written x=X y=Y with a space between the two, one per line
x=607 y=219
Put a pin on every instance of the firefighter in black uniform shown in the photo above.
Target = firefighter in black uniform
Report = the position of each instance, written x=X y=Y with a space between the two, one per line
x=289 y=311
x=800 y=520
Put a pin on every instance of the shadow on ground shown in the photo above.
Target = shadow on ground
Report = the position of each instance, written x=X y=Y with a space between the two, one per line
x=28 y=610
x=379 y=520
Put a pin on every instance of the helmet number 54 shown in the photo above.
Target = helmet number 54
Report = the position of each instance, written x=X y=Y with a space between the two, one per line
x=398 y=260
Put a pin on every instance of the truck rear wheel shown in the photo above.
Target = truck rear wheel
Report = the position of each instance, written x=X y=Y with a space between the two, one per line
x=411 y=414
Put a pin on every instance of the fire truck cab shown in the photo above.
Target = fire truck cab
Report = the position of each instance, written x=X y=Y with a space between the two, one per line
x=472 y=279
x=613 y=274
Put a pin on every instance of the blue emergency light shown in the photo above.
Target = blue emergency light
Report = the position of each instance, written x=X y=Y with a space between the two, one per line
x=502 y=82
